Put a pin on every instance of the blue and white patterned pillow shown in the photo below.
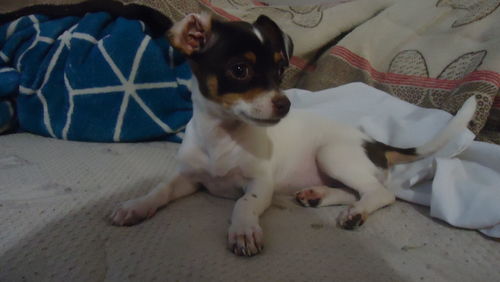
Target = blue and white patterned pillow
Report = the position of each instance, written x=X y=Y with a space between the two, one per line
x=92 y=78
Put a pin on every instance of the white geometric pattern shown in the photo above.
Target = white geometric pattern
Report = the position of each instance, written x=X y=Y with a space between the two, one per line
x=126 y=87
x=38 y=38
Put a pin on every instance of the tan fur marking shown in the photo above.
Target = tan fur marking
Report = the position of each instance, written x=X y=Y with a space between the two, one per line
x=252 y=94
x=227 y=100
x=230 y=99
x=213 y=86
x=278 y=57
x=394 y=158
x=250 y=56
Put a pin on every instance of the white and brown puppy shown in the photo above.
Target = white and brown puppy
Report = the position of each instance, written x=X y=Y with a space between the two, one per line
x=239 y=143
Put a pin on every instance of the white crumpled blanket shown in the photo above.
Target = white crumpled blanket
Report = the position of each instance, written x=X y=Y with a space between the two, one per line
x=460 y=183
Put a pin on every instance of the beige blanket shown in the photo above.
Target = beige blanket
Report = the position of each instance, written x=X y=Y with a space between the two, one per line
x=54 y=196
x=431 y=53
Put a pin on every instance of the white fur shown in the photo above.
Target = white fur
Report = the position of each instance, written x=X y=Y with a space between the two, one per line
x=236 y=159
x=457 y=125
x=287 y=43
x=258 y=34
x=259 y=108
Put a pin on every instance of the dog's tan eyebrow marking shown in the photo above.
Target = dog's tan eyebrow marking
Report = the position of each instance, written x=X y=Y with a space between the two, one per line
x=250 y=56
x=278 y=57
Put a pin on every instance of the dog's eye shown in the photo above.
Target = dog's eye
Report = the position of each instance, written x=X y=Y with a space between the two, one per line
x=240 y=71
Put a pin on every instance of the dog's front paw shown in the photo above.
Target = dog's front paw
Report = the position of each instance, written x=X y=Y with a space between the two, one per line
x=308 y=197
x=132 y=212
x=245 y=239
x=351 y=219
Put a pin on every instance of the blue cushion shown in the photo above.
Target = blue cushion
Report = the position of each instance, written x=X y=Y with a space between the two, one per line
x=93 y=78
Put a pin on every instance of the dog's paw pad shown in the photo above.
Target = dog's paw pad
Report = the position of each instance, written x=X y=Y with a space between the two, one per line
x=245 y=241
x=131 y=212
x=308 y=198
x=351 y=221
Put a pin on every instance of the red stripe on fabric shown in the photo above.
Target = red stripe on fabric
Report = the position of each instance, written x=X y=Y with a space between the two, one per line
x=258 y=3
x=298 y=62
x=394 y=78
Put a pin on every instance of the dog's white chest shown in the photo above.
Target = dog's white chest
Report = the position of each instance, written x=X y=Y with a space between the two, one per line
x=218 y=180
x=220 y=171
x=229 y=185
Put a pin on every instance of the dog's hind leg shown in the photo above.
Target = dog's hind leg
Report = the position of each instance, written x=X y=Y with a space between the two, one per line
x=369 y=202
x=134 y=211
x=351 y=166
x=321 y=196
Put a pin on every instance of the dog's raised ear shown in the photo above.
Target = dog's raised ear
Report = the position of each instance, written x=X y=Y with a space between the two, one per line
x=279 y=38
x=192 y=34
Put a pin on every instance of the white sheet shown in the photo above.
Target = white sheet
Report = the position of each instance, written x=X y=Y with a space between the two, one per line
x=460 y=183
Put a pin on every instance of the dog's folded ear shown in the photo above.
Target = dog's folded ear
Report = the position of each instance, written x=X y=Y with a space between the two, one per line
x=281 y=39
x=192 y=34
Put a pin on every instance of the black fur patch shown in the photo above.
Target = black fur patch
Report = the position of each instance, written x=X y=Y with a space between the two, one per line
x=157 y=23
x=353 y=223
x=313 y=202
x=376 y=152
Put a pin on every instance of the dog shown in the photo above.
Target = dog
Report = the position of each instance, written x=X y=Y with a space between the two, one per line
x=245 y=142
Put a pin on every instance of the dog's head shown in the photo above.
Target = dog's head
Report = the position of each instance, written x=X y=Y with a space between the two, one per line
x=238 y=65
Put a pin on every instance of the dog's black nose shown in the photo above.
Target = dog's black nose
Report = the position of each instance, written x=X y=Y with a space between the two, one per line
x=281 y=105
